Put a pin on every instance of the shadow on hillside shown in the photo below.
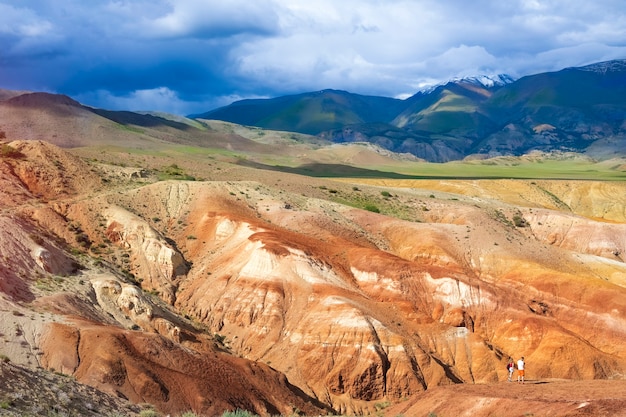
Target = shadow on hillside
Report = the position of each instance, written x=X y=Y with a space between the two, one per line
x=143 y=120
x=330 y=170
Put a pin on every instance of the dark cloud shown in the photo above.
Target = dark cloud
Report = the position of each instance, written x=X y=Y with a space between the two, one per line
x=191 y=55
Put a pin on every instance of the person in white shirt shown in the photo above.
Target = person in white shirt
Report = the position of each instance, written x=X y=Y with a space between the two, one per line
x=520 y=370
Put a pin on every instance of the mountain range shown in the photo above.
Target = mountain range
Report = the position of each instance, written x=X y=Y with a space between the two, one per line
x=576 y=109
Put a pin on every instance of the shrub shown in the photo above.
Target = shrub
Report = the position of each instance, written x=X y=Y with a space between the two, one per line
x=385 y=193
x=8 y=151
x=83 y=240
x=175 y=172
x=37 y=239
x=372 y=208
x=382 y=405
x=5 y=403
x=519 y=221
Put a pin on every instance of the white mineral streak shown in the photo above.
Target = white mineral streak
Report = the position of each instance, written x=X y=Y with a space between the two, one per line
x=457 y=293
x=43 y=258
x=226 y=228
x=313 y=271
x=261 y=263
x=457 y=332
x=381 y=283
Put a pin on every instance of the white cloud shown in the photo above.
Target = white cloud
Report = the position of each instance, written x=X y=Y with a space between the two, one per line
x=573 y=56
x=156 y=98
x=36 y=28
x=160 y=98
x=22 y=22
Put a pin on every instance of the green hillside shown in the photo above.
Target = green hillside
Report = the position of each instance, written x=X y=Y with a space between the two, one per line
x=575 y=109
x=310 y=113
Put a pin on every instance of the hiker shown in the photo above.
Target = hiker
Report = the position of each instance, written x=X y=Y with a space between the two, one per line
x=520 y=370
x=510 y=367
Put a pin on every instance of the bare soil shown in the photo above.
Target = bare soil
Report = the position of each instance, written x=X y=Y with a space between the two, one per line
x=538 y=398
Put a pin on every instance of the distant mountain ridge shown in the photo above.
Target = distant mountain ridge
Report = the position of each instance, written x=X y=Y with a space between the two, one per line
x=309 y=113
x=579 y=109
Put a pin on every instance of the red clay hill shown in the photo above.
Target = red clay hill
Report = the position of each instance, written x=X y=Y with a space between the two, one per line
x=251 y=290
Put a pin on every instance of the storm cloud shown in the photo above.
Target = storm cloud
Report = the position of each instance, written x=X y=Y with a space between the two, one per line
x=189 y=56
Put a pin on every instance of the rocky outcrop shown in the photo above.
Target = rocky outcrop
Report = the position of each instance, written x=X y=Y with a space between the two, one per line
x=155 y=260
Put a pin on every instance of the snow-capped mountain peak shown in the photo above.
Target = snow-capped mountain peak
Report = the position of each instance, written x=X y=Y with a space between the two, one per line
x=487 y=81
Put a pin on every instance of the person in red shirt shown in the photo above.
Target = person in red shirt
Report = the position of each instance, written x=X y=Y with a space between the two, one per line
x=510 y=367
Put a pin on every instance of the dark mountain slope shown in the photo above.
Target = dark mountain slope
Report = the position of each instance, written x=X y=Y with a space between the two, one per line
x=566 y=110
x=439 y=125
x=310 y=113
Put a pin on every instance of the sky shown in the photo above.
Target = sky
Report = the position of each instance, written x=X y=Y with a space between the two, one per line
x=191 y=56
